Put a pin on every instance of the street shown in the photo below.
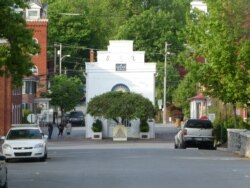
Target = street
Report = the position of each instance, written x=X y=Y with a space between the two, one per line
x=134 y=165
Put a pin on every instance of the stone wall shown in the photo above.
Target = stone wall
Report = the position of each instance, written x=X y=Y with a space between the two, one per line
x=239 y=141
x=245 y=144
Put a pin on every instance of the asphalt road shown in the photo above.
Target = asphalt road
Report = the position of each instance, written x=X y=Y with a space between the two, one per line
x=130 y=165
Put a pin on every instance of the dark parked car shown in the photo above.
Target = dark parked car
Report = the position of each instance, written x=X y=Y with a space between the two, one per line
x=76 y=118
x=3 y=172
x=195 y=133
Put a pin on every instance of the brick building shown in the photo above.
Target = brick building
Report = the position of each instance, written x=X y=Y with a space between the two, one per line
x=13 y=100
x=35 y=85
x=10 y=100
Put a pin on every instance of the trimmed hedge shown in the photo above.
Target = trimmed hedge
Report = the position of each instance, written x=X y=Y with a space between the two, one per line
x=97 y=126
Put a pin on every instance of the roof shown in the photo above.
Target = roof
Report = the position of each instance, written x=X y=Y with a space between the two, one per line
x=200 y=96
x=38 y=2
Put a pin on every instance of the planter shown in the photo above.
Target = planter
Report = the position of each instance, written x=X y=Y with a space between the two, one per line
x=97 y=135
x=144 y=135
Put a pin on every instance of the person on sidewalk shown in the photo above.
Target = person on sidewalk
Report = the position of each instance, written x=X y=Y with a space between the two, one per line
x=50 y=130
x=60 y=128
x=68 y=128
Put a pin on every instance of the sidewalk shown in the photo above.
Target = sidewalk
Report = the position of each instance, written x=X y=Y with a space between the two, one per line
x=163 y=134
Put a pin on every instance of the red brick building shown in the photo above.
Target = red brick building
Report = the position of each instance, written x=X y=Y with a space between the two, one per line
x=10 y=101
x=5 y=105
x=35 y=85
x=13 y=100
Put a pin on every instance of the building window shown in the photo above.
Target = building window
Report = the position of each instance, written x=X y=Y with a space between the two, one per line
x=33 y=14
x=120 y=87
x=29 y=87
x=25 y=106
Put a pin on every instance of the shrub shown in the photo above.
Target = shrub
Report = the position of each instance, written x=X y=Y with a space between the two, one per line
x=26 y=112
x=144 y=127
x=97 y=126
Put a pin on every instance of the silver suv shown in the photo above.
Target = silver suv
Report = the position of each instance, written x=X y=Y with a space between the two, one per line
x=196 y=133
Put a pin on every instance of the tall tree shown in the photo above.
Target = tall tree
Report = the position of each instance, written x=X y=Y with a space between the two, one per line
x=69 y=25
x=15 y=61
x=185 y=90
x=150 y=30
x=65 y=92
x=218 y=37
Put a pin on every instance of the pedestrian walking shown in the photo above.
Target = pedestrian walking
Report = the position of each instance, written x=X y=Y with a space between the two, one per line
x=50 y=129
x=60 y=128
x=68 y=128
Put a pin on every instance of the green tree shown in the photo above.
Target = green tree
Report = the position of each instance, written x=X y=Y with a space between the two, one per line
x=124 y=105
x=159 y=23
x=65 y=92
x=185 y=90
x=15 y=55
x=69 y=25
x=218 y=36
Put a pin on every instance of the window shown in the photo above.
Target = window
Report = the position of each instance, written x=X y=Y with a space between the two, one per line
x=33 y=14
x=29 y=87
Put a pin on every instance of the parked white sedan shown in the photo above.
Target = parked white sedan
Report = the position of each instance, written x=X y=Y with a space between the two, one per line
x=24 y=142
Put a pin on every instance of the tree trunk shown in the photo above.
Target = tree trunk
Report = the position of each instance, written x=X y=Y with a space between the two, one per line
x=62 y=114
x=235 y=116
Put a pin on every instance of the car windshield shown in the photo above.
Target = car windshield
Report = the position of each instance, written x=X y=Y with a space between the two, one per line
x=199 y=124
x=24 y=134
x=76 y=114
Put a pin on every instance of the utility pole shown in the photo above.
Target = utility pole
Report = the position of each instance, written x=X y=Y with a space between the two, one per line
x=55 y=55
x=164 y=85
x=60 y=58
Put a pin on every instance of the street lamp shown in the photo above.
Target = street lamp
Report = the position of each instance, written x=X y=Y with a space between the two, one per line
x=164 y=84
x=60 y=63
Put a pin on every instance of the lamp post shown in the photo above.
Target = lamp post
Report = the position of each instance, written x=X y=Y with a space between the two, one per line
x=164 y=85
x=61 y=58
x=60 y=64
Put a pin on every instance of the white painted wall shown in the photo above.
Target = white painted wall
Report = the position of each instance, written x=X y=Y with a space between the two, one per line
x=199 y=4
x=102 y=76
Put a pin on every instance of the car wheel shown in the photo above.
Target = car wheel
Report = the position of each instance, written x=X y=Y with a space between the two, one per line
x=212 y=147
x=5 y=185
x=175 y=146
x=182 y=145
x=6 y=182
x=45 y=156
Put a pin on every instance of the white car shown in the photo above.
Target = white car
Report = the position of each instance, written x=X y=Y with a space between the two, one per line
x=195 y=133
x=25 y=141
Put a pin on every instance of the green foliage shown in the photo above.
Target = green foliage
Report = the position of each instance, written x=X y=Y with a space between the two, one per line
x=186 y=89
x=97 y=126
x=65 y=92
x=219 y=38
x=158 y=23
x=112 y=105
x=148 y=23
x=26 y=112
x=15 y=56
x=144 y=127
x=221 y=126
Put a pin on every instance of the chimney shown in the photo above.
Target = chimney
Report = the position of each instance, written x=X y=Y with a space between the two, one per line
x=91 y=55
